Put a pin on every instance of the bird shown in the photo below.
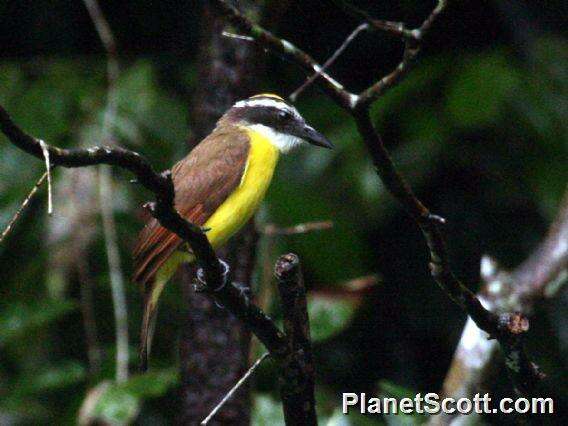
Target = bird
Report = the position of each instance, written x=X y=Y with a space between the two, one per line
x=218 y=186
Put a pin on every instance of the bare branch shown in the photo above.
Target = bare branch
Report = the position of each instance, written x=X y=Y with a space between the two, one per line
x=363 y=27
x=235 y=388
x=517 y=290
x=548 y=265
x=23 y=206
x=499 y=327
x=115 y=275
x=45 y=153
x=397 y=29
x=163 y=210
x=428 y=223
x=272 y=230
x=412 y=46
x=344 y=98
x=129 y=160
x=237 y=36
x=105 y=194
x=298 y=369
x=89 y=318
x=283 y=47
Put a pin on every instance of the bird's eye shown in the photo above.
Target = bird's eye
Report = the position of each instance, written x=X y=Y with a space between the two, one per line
x=284 y=115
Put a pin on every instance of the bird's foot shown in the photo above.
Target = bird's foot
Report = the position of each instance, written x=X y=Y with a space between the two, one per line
x=243 y=288
x=201 y=284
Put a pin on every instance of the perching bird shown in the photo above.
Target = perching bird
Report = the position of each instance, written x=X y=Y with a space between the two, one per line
x=218 y=186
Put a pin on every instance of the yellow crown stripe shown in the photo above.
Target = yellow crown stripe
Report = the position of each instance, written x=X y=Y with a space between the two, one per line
x=267 y=95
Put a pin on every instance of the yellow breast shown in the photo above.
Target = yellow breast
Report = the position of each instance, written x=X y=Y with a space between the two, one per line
x=241 y=205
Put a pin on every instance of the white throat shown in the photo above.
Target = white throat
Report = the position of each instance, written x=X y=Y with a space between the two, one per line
x=282 y=141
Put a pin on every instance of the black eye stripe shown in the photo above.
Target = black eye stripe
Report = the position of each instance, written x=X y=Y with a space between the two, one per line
x=269 y=116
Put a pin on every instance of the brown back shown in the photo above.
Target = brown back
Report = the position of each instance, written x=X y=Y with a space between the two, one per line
x=202 y=180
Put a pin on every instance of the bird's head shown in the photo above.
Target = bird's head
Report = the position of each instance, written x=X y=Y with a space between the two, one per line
x=275 y=118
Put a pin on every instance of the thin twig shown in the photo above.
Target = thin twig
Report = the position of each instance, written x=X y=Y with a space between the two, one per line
x=363 y=27
x=45 y=152
x=287 y=50
x=235 y=388
x=115 y=275
x=236 y=36
x=105 y=193
x=397 y=29
x=272 y=230
x=89 y=318
x=517 y=290
x=23 y=206
x=412 y=46
x=505 y=327
x=163 y=210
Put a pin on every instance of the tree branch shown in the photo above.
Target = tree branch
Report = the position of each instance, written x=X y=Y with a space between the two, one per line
x=213 y=339
x=298 y=369
x=396 y=29
x=105 y=193
x=272 y=230
x=535 y=277
x=360 y=28
x=539 y=276
x=23 y=207
x=412 y=45
x=286 y=49
x=235 y=388
x=506 y=328
x=163 y=210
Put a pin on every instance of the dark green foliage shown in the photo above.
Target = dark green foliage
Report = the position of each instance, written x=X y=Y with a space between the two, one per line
x=480 y=136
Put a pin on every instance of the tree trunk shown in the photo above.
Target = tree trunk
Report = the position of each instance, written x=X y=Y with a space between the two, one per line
x=214 y=348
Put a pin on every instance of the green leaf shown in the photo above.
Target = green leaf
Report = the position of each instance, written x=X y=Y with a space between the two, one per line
x=476 y=94
x=411 y=88
x=151 y=384
x=267 y=412
x=115 y=406
x=42 y=111
x=329 y=316
x=136 y=90
x=10 y=81
x=18 y=319
x=119 y=403
x=66 y=373
x=22 y=411
x=393 y=390
x=403 y=420
x=351 y=419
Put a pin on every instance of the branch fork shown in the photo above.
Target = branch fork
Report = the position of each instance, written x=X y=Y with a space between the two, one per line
x=358 y=106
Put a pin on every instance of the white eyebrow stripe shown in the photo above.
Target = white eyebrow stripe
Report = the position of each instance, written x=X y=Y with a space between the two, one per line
x=262 y=102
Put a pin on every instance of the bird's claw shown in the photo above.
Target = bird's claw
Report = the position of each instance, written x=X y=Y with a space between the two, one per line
x=202 y=284
x=244 y=289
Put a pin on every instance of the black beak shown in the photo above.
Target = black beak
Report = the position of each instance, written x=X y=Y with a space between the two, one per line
x=309 y=134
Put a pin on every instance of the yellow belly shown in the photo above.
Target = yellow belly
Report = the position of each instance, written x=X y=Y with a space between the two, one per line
x=241 y=205
x=235 y=212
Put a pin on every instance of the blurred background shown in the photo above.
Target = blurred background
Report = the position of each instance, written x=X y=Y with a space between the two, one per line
x=479 y=128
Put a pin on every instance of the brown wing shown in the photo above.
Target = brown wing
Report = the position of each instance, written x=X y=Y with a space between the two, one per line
x=203 y=180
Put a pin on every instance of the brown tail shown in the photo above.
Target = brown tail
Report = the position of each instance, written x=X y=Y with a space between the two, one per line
x=151 y=298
